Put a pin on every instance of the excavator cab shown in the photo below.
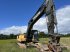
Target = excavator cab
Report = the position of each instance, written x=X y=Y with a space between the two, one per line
x=35 y=38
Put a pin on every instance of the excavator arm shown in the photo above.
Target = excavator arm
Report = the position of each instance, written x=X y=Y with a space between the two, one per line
x=46 y=8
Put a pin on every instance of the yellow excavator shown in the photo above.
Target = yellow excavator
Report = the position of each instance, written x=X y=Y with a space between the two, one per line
x=47 y=8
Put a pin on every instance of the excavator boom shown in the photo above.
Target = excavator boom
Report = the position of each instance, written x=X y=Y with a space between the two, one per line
x=33 y=20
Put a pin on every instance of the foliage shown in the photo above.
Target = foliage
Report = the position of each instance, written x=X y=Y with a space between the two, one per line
x=65 y=35
x=11 y=36
x=42 y=35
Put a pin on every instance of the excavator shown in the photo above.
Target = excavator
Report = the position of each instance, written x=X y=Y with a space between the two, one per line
x=47 y=9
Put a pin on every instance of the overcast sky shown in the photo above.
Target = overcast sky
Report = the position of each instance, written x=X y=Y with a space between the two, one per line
x=15 y=14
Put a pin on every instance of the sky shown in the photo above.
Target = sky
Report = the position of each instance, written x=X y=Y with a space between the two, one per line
x=15 y=14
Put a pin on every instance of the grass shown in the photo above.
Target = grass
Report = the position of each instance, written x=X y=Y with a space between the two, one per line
x=11 y=45
x=66 y=42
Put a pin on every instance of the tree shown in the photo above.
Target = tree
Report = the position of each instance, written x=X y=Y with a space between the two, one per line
x=42 y=35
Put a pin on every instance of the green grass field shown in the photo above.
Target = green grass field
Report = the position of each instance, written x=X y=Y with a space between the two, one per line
x=11 y=45
x=66 y=42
